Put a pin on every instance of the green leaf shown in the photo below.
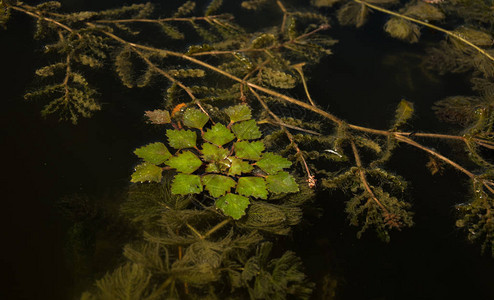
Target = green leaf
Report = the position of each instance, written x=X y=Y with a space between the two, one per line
x=404 y=112
x=213 y=153
x=146 y=172
x=184 y=184
x=247 y=130
x=249 y=150
x=195 y=118
x=233 y=205
x=218 y=135
x=180 y=139
x=272 y=163
x=217 y=185
x=238 y=166
x=185 y=162
x=238 y=113
x=281 y=183
x=155 y=153
x=252 y=186
x=213 y=168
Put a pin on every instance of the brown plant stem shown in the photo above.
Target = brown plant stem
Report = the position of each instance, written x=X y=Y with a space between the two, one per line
x=363 y=179
x=36 y=14
x=298 y=68
x=195 y=231
x=159 y=70
x=285 y=14
x=310 y=178
x=187 y=19
x=317 y=110
x=288 y=126
x=401 y=136
x=273 y=47
x=487 y=183
x=449 y=33
x=66 y=80
x=217 y=227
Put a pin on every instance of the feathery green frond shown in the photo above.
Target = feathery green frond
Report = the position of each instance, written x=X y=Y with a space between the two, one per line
x=185 y=9
x=253 y=4
x=278 y=79
x=402 y=29
x=124 y=67
x=130 y=281
x=424 y=11
x=404 y=112
x=212 y=7
x=353 y=13
x=171 y=31
x=477 y=215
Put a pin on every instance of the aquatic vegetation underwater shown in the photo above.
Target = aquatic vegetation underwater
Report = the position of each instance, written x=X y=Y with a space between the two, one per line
x=210 y=205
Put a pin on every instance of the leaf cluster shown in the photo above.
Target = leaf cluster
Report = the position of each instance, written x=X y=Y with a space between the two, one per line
x=476 y=216
x=71 y=95
x=4 y=13
x=370 y=205
x=217 y=167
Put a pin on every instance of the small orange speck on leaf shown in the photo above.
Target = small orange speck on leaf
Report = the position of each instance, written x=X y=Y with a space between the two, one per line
x=178 y=108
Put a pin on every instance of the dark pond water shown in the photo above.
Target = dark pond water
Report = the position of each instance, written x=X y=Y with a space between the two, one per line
x=45 y=161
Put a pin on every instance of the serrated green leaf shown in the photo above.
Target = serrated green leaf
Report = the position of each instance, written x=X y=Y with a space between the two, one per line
x=273 y=163
x=181 y=139
x=281 y=183
x=155 y=153
x=252 y=186
x=238 y=113
x=186 y=162
x=213 y=153
x=184 y=184
x=213 y=168
x=217 y=185
x=218 y=135
x=404 y=112
x=146 y=172
x=238 y=166
x=195 y=118
x=233 y=205
x=249 y=150
x=247 y=130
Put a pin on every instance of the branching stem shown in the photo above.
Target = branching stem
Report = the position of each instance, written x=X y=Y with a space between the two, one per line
x=199 y=235
x=158 y=21
x=449 y=33
x=36 y=14
x=363 y=178
x=310 y=178
x=401 y=136
x=217 y=227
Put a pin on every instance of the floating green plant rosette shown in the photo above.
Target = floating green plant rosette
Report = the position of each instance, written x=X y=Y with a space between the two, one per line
x=230 y=165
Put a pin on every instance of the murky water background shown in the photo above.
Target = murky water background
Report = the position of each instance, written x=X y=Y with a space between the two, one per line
x=44 y=161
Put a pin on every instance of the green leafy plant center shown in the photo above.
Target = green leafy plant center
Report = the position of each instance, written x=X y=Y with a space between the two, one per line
x=211 y=168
